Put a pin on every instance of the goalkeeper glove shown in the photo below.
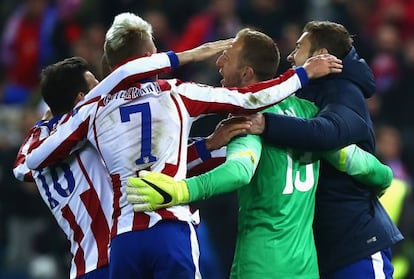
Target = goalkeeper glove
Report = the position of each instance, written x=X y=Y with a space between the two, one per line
x=152 y=190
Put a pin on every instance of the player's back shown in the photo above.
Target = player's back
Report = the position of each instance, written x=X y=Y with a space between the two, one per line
x=78 y=193
x=277 y=208
x=141 y=127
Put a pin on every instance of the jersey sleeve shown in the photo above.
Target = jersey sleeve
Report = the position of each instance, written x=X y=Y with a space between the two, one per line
x=137 y=69
x=70 y=135
x=36 y=134
x=338 y=124
x=243 y=155
x=361 y=165
x=201 y=99
x=200 y=159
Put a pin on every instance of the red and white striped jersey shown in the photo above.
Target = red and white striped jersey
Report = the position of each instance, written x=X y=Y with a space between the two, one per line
x=200 y=160
x=82 y=210
x=146 y=126
x=78 y=190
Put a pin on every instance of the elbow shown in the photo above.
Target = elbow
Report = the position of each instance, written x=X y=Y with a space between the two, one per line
x=18 y=174
x=245 y=175
x=31 y=164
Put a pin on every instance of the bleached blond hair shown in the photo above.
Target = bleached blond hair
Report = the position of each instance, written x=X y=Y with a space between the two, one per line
x=123 y=25
x=126 y=36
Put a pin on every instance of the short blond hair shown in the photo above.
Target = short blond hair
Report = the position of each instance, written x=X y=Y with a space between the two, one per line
x=126 y=36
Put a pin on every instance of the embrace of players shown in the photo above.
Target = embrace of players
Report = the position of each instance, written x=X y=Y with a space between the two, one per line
x=110 y=160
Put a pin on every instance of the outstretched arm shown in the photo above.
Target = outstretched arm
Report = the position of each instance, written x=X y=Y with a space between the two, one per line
x=151 y=191
x=150 y=66
x=241 y=161
x=204 y=154
x=338 y=124
x=361 y=165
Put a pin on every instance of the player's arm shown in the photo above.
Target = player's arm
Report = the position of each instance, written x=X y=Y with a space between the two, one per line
x=201 y=100
x=242 y=157
x=36 y=134
x=152 y=191
x=150 y=66
x=200 y=159
x=70 y=135
x=361 y=165
x=20 y=169
x=338 y=124
x=206 y=153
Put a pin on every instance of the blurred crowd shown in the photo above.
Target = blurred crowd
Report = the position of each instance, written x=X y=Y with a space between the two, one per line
x=36 y=33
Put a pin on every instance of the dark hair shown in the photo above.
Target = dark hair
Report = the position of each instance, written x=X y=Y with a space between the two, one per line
x=330 y=35
x=260 y=52
x=61 y=82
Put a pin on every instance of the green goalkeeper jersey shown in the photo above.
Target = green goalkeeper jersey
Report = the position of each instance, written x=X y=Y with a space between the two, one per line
x=276 y=190
x=276 y=203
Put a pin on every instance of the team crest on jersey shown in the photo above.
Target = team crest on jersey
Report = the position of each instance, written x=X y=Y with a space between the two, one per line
x=134 y=92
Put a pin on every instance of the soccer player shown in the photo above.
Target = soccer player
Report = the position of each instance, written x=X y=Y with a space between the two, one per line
x=276 y=186
x=145 y=126
x=78 y=190
x=353 y=232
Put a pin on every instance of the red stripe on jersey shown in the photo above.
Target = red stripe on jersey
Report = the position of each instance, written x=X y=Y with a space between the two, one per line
x=166 y=215
x=35 y=142
x=192 y=153
x=20 y=158
x=206 y=166
x=99 y=225
x=141 y=221
x=197 y=107
x=116 y=184
x=268 y=83
x=79 y=257
x=171 y=169
x=133 y=79
x=95 y=136
x=164 y=85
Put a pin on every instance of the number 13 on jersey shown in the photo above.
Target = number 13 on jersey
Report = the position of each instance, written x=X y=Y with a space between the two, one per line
x=299 y=177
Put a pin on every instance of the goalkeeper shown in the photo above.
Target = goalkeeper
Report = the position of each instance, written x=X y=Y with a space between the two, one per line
x=276 y=186
x=276 y=200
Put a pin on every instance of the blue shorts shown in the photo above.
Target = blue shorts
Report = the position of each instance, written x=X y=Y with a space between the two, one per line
x=100 y=273
x=169 y=249
x=377 y=266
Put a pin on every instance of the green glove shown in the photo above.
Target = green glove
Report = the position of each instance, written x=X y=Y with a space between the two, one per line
x=152 y=190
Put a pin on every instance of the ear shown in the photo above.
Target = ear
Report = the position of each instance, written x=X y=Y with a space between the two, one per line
x=79 y=97
x=323 y=51
x=248 y=74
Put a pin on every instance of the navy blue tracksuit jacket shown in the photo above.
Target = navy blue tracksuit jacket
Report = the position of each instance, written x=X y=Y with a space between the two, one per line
x=350 y=222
